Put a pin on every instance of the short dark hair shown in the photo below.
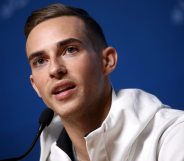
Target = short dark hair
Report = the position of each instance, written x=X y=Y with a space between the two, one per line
x=93 y=30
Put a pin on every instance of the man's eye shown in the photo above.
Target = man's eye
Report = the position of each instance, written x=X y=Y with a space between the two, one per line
x=38 y=62
x=71 y=50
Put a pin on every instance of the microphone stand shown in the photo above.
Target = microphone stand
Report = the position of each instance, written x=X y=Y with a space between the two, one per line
x=30 y=149
x=45 y=119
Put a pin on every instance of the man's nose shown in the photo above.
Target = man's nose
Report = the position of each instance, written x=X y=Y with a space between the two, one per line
x=57 y=69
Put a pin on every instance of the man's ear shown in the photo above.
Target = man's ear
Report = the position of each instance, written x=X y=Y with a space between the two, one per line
x=109 y=58
x=33 y=85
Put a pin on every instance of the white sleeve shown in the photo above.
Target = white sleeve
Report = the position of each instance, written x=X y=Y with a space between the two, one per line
x=172 y=144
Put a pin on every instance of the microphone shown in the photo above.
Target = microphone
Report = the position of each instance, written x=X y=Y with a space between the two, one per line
x=44 y=120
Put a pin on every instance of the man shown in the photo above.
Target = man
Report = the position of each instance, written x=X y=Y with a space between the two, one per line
x=71 y=62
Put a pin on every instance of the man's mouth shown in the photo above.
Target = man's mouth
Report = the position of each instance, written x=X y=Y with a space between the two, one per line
x=63 y=90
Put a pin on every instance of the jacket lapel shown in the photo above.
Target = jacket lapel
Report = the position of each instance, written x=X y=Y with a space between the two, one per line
x=65 y=144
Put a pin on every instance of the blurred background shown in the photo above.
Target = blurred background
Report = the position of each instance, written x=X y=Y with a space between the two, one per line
x=149 y=38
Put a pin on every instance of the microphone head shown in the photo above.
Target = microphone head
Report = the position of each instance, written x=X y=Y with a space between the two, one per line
x=46 y=116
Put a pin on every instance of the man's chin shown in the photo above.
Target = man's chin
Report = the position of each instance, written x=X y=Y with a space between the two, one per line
x=67 y=110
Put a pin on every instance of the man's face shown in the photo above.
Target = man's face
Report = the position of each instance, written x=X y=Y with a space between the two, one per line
x=66 y=72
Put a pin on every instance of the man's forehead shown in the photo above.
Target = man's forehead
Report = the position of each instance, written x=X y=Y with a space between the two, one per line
x=54 y=30
x=62 y=19
x=62 y=23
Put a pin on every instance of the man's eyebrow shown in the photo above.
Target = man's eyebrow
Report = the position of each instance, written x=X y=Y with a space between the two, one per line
x=59 y=45
x=68 y=41
x=35 y=54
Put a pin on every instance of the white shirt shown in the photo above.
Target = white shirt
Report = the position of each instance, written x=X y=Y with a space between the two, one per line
x=138 y=128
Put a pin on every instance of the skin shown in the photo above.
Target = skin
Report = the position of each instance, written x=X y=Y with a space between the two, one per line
x=62 y=56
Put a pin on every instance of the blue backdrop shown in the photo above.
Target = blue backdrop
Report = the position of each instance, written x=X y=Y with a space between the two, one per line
x=148 y=35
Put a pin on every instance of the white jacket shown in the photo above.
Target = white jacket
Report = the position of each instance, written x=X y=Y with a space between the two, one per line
x=138 y=128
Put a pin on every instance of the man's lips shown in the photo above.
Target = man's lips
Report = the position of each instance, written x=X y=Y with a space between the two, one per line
x=63 y=90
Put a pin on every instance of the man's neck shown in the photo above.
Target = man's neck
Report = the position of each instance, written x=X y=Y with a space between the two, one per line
x=86 y=123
